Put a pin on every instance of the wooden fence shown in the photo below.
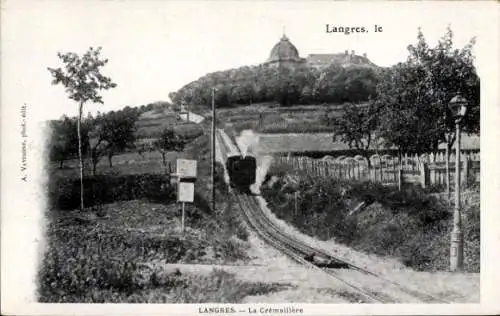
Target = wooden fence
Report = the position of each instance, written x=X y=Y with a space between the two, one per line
x=425 y=170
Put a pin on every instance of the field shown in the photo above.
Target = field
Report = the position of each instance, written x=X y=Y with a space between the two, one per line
x=300 y=129
x=152 y=123
x=131 y=225
x=270 y=119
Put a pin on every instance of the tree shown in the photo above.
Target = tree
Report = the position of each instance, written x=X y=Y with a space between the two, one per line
x=82 y=80
x=408 y=119
x=287 y=86
x=112 y=133
x=356 y=126
x=416 y=94
x=64 y=140
x=449 y=72
x=433 y=77
x=169 y=141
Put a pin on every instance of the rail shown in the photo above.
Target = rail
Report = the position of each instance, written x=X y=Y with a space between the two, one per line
x=297 y=250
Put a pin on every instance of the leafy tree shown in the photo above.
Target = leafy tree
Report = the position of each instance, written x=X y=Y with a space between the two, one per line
x=329 y=86
x=356 y=126
x=246 y=85
x=82 y=79
x=408 y=117
x=415 y=94
x=449 y=71
x=64 y=140
x=169 y=141
x=112 y=133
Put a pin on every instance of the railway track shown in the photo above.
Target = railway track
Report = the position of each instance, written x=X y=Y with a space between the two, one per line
x=298 y=250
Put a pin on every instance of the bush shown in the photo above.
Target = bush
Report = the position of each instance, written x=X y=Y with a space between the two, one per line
x=106 y=259
x=408 y=224
x=64 y=194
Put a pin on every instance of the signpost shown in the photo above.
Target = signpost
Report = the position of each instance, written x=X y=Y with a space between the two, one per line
x=186 y=175
x=184 y=110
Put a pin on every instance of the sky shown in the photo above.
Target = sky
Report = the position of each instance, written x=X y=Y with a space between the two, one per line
x=156 y=47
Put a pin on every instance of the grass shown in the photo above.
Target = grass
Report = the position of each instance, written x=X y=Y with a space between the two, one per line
x=269 y=119
x=410 y=224
x=222 y=287
x=98 y=255
x=123 y=164
x=105 y=265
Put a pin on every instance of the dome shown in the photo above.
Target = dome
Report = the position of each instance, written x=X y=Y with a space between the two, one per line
x=284 y=50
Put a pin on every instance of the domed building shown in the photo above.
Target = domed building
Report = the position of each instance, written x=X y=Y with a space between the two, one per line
x=285 y=54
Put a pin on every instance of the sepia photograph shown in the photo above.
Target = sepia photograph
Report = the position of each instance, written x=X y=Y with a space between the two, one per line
x=237 y=157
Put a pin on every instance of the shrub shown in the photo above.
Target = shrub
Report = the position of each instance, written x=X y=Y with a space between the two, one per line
x=409 y=224
x=64 y=193
x=106 y=259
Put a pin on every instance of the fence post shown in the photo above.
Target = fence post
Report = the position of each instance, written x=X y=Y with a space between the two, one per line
x=432 y=173
x=424 y=174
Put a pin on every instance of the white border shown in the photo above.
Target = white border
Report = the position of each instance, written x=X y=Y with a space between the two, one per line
x=19 y=215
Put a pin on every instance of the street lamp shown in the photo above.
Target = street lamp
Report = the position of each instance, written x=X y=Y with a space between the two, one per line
x=458 y=108
x=213 y=149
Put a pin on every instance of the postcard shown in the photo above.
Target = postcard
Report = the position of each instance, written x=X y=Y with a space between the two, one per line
x=250 y=158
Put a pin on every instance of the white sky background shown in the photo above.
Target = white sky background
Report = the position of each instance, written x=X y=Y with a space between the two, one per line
x=155 y=47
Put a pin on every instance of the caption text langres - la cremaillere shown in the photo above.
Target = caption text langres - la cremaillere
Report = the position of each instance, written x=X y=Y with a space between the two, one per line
x=331 y=28
x=251 y=310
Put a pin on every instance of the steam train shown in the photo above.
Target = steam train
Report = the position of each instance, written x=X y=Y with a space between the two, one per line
x=241 y=168
x=242 y=171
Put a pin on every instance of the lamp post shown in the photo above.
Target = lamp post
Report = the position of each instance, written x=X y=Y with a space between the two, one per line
x=458 y=107
x=213 y=149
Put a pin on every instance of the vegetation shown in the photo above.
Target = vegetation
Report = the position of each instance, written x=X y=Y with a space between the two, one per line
x=111 y=133
x=414 y=95
x=257 y=84
x=123 y=252
x=64 y=140
x=131 y=227
x=101 y=189
x=410 y=108
x=356 y=126
x=82 y=79
x=410 y=224
x=168 y=141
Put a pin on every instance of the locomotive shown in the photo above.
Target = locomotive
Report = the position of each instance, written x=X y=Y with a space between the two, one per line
x=242 y=171
x=241 y=168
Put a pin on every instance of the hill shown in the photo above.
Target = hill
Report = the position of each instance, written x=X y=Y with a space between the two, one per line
x=305 y=85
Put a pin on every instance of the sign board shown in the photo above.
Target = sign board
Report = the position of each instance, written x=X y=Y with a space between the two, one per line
x=185 y=192
x=186 y=168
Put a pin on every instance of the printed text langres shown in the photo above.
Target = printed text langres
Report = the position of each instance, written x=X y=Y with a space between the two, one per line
x=351 y=29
